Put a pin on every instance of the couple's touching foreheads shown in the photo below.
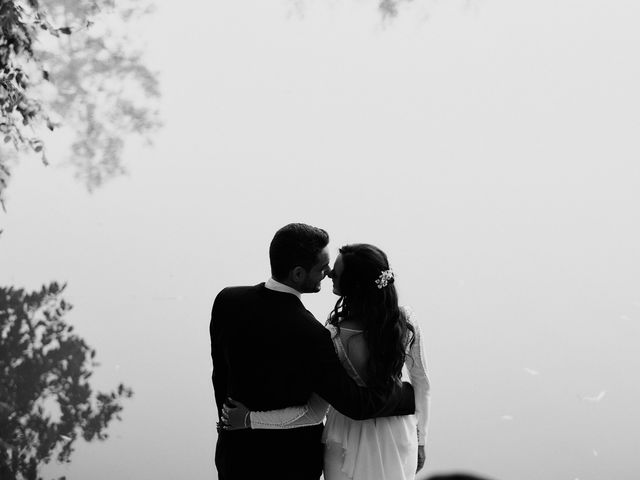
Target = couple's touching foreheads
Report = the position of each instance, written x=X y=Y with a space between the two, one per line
x=296 y=398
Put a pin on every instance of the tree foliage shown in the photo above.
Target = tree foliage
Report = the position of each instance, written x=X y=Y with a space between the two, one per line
x=74 y=64
x=389 y=8
x=46 y=400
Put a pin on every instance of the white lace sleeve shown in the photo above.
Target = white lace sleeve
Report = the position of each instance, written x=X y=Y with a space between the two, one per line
x=416 y=364
x=312 y=413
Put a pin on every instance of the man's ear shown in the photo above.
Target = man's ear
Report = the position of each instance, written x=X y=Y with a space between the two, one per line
x=298 y=274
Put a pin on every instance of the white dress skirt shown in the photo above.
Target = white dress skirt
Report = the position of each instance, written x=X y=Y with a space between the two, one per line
x=383 y=448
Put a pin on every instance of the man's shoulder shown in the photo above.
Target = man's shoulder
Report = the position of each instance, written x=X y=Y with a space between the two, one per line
x=309 y=326
x=239 y=291
x=234 y=298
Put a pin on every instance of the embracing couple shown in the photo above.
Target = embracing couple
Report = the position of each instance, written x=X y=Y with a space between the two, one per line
x=295 y=397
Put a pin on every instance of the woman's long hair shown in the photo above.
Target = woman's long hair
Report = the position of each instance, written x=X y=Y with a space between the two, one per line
x=386 y=329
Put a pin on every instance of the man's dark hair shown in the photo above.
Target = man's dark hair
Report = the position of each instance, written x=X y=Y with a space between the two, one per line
x=296 y=244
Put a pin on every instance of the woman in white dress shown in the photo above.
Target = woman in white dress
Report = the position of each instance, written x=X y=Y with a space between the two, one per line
x=378 y=344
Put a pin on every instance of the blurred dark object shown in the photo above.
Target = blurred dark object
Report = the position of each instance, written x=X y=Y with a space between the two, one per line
x=457 y=476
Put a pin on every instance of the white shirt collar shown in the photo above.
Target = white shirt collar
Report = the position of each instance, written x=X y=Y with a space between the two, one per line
x=272 y=284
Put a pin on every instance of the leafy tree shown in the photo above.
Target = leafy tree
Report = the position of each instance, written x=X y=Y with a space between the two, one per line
x=46 y=401
x=69 y=64
x=389 y=8
x=74 y=64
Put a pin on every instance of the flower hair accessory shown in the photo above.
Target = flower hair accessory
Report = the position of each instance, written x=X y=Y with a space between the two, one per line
x=385 y=277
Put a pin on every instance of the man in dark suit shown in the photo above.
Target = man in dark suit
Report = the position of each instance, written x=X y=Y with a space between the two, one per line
x=269 y=352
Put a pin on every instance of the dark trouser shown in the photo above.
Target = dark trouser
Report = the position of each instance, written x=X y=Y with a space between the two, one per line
x=293 y=454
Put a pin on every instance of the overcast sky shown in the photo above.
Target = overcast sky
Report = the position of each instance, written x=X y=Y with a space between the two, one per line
x=489 y=147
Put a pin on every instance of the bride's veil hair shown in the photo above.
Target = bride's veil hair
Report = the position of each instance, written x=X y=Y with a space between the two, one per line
x=386 y=328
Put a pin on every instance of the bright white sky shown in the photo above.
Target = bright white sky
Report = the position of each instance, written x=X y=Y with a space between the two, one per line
x=490 y=147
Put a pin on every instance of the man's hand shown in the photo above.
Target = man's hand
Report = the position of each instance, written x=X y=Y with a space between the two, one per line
x=421 y=457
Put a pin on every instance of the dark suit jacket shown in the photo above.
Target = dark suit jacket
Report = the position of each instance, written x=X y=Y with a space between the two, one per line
x=269 y=352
